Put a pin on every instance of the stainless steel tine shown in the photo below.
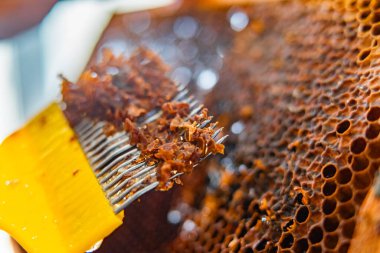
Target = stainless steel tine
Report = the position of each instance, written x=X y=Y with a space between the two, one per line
x=126 y=181
x=109 y=148
x=135 y=196
x=105 y=158
x=94 y=144
x=107 y=142
x=205 y=123
x=120 y=176
x=87 y=136
x=82 y=126
x=120 y=158
x=117 y=169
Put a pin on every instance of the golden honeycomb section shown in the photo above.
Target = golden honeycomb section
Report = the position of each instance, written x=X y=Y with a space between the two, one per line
x=310 y=147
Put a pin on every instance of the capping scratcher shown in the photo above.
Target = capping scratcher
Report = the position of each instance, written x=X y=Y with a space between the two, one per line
x=58 y=194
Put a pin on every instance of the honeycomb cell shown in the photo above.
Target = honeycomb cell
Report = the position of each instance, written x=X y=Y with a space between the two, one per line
x=348 y=229
x=302 y=214
x=359 y=163
x=301 y=245
x=329 y=171
x=343 y=126
x=346 y=211
x=372 y=131
x=375 y=30
x=358 y=145
x=364 y=55
x=329 y=206
x=344 y=176
x=376 y=17
x=373 y=113
x=343 y=248
x=287 y=241
x=362 y=181
x=316 y=249
x=328 y=188
x=315 y=235
x=344 y=194
x=330 y=224
x=330 y=241
x=374 y=150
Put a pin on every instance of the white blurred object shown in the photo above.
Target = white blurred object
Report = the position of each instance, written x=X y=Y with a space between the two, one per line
x=9 y=108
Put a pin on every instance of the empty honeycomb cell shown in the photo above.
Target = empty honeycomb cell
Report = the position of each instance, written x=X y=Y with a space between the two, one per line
x=360 y=196
x=346 y=210
x=363 y=15
x=328 y=206
x=372 y=131
x=375 y=30
x=315 y=235
x=287 y=241
x=376 y=17
x=365 y=28
x=364 y=55
x=301 y=245
x=344 y=194
x=373 y=113
x=359 y=163
x=364 y=3
x=374 y=149
x=328 y=188
x=248 y=250
x=352 y=102
x=362 y=180
x=315 y=249
x=348 y=229
x=344 y=176
x=343 y=127
x=261 y=245
x=329 y=171
x=331 y=240
x=343 y=248
x=358 y=145
x=302 y=214
x=331 y=223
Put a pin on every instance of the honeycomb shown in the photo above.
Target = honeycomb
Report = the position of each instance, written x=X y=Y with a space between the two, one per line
x=299 y=91
x=302 y=99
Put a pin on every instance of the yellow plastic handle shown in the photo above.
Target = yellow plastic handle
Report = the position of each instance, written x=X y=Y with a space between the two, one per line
x=50 y=200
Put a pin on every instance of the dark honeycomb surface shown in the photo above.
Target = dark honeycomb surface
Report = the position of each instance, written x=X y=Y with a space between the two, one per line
x=299 y=88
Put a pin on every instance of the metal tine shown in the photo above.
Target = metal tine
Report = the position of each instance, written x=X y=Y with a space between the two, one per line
x=117 y=159
x=104 y=158
x=92 y=137
x=205 y=123
x=90 y=129
x=108 y=141
x=81 y=126
x=215 y=134
x=122 y=174
x=195 y=111
x=180 y=95
x=88 y=136
x=128 y=180
x=101 y=173
x=135 y=196
x=109 y=148
x=84 y=126
x=116 y=170
x=94 y=144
